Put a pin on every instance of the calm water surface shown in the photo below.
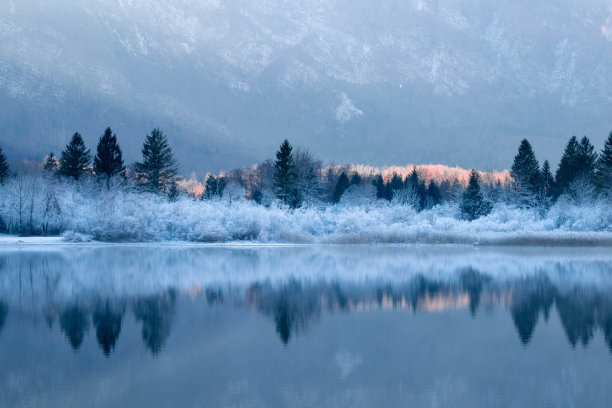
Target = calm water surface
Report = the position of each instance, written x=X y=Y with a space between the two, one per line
x=138 y=326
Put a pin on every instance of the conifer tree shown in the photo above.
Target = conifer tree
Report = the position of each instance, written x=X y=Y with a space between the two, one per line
x=341 y=186
x=473 y=205
x=50 y=164
x=379 y=184
x=213 y=187
x=586 y=159
x=525 y=173
x=75 y=159
x=567 y=167
x=108 y=161
x=158 y=168
x=604 y=167
x=4 y=167
x=285 y=177
x=547 y=185
x=434 y=196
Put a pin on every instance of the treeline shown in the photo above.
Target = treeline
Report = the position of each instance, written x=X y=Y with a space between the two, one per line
x=297 y=178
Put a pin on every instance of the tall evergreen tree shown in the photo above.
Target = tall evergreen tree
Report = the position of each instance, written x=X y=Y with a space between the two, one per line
x=379 y=184
x=604 y=168
x=158 y=168
x=473 y=205
x=75 y=159
x=434 y=196
x=525 y=173
x=213 y=187
x=285 y=182
x=547 y=184
x=108 y=161
x=50 y=165
x=341 y=186
x=567 y=167
x=586 y=159
x=4 y=167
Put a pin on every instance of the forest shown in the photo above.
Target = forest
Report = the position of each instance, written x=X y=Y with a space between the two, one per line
x=295 y=198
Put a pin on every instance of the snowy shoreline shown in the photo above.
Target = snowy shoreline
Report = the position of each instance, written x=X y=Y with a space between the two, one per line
x=488 y=239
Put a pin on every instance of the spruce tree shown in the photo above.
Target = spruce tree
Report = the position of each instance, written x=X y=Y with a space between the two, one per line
x=473 y=205
x=604 y=168
x=341 y=186
x=50 y=164
x=567 y=167
x=547 y=180
x=210 y=187
x=108 y=161
x=158 y=168
x=525 y=173
x=4 y=167
x=434 y=196
x=586 y=159
x=285 y=182
x=75 y=159
x=379 y=184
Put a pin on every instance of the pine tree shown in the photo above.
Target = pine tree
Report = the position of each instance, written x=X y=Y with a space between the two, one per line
x=604 y=168
x=4 y=167
x=547 y=181
x=434 y=196
x=221 y=184
x=567 y=167
x=210 y=187
x=108 y=161
x=586 y=159
x=173 y=191
x=158 y=168
x=50 y=165
x=75 y=159
x=473 y=205
x=285 y=177
x=525 y=173
x=379 y=184
x=341 y=186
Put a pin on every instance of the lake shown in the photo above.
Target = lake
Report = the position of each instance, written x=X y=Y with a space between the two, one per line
x=305 y=326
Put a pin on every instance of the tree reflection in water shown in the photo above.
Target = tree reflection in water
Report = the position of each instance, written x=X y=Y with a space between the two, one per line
x=107 y=321
x=74 y=322
x=156 y=313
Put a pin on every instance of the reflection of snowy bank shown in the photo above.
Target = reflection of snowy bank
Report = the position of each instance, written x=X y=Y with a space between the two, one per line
x=127 y=270
x=295 y=286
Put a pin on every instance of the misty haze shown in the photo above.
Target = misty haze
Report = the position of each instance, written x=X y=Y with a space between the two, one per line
x=282 y=203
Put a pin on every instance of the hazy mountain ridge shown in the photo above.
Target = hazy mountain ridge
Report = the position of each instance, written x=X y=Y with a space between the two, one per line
x=229 y=80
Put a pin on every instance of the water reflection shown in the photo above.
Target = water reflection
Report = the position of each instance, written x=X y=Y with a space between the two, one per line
x=75 y=290
x=107 y=321
x=156 y=314
x=74 y=322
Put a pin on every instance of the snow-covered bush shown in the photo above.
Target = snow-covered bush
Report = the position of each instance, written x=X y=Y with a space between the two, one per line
x=38 y=206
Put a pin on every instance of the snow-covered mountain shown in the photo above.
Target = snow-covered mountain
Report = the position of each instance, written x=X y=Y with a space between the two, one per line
x=381 y=82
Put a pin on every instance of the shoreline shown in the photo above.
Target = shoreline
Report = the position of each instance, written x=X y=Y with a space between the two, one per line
x=429 y=239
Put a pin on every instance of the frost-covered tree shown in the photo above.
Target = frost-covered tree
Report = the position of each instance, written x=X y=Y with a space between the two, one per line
x=473 y=204
x=579 y=160
x=108 y=161
x=525 y=174
x=547 y=186
x=4 y=167
x=158 y=168
x=50 y=164
x=285 y=184
x=604 y=168
x=341 y=186
x=307 y=168
x=75 y=159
